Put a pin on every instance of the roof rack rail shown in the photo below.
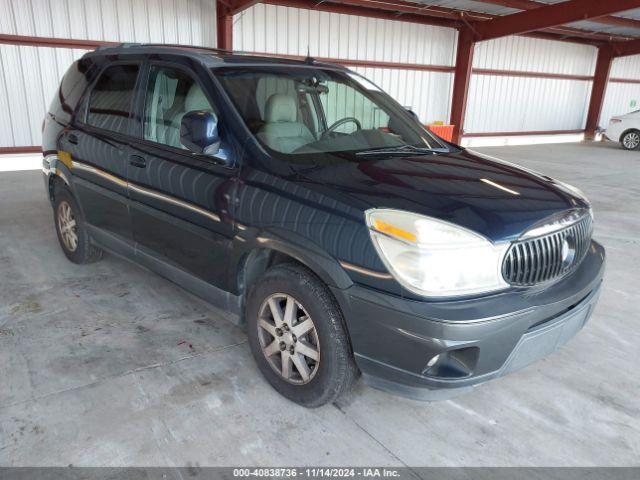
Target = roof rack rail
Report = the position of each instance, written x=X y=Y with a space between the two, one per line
x=119 y=45
x=194 y=47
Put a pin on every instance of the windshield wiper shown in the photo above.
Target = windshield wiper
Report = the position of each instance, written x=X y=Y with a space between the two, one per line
x=402 y=151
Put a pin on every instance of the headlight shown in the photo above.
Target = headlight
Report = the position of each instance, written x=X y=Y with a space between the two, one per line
x=435 y=258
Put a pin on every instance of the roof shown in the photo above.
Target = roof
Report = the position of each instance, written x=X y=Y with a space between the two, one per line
x=211 y=57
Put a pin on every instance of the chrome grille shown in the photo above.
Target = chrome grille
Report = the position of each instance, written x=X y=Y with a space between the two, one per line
x=536 y=260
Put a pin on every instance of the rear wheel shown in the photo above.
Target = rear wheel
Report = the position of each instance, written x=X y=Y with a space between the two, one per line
x=631 y=140
x=297 y=336
x=71 y=229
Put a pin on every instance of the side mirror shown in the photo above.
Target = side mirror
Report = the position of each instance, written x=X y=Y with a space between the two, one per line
x=199 y=132
x=412 y=113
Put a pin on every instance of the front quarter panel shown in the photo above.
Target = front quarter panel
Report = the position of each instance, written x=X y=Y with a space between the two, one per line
x=330 y=236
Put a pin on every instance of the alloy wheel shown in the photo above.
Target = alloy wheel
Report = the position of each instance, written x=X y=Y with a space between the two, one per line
x=631 y=140
x=67 y=226
x=288 y=338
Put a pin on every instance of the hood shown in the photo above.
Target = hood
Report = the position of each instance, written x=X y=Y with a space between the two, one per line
x=494 y=198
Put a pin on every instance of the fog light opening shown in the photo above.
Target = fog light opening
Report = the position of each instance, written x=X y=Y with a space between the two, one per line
x=453 y=363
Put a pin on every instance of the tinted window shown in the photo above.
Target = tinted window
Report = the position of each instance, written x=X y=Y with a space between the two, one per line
x=110 y=103
x=170 y=95
x=71 y=88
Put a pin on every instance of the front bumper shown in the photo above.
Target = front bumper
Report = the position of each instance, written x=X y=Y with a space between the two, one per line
x=396 y=340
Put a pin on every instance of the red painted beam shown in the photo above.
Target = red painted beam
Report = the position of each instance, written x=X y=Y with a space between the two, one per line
x=600 y=80
x=632 y=81
x=401 y=7
x=52 y=42
x=461 y=80
x=623 y=49
x=370 y=12
x=439 y=16
x=15 y=150
x=524 y=133
x=241 y=5
x=525 y=74
x=224 y=27
x=550 y=16
x=532 y=5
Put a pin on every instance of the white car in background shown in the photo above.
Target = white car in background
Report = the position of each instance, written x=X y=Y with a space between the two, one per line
x=625 y=129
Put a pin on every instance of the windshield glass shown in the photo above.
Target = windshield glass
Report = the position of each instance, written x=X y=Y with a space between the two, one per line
x=294 y=111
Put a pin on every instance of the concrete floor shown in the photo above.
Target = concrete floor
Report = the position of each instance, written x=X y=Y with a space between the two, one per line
x=109 y=364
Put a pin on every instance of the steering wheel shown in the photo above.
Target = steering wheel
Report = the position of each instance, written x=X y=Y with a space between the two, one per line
x=341 y=122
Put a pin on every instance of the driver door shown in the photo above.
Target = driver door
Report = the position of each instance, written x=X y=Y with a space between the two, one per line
x=180 y=200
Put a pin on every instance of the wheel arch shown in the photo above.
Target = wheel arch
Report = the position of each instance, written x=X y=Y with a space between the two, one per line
x=269 y=250
x=628 y=130
x=260 y=258
x=59 y=173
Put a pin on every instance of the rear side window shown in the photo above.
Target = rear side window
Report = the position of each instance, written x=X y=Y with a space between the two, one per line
x=71 y=88
x=111 y=99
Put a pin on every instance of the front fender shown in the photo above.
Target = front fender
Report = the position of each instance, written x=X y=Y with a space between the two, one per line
x=298 y=247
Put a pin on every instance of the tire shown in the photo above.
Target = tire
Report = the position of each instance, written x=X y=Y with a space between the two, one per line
x=630 y=140
x=334 y=372
x=69 y=224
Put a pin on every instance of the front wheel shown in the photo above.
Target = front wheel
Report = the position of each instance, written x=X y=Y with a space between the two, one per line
x=297 y=336
x=631 y=140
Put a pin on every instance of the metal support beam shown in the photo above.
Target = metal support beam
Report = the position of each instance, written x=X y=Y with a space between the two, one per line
x=461 y=79
x=550 y=16
x=378 y=11
x=439 y=16
x=533 y=4
x=600 y=80
x=623 y=49
x=224 y=25
x=52 y=42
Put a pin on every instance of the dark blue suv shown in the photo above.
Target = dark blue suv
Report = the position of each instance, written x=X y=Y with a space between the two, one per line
x=298 y=195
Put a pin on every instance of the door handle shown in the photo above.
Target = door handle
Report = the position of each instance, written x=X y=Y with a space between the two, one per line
x=72 y=139
x=137 y=161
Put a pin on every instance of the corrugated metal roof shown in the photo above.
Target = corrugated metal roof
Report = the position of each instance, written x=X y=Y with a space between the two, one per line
x=493 y=9
x=603 y=28
x=470 y=5
x=634 y=14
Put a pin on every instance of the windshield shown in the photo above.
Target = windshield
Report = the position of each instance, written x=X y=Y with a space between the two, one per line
x=294 y=111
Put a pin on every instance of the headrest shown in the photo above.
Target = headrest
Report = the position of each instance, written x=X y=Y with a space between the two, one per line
x=280 y=108
x=196 y=99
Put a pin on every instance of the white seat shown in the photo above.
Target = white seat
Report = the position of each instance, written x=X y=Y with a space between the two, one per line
x=195 y=100
x=282 y=132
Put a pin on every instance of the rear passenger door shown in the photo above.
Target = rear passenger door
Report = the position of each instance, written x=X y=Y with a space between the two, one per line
x=99 y=144
x=180 y=200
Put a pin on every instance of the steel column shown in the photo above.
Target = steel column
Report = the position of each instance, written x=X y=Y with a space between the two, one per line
x=224 y=27
x=461 y=80
x=600 y=80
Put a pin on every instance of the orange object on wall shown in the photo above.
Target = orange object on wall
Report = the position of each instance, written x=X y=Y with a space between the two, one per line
x=443 y=131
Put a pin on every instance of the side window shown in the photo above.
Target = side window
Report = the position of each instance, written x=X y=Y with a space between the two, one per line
x=73 y=85
x=110 y=101
x=171 y=94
